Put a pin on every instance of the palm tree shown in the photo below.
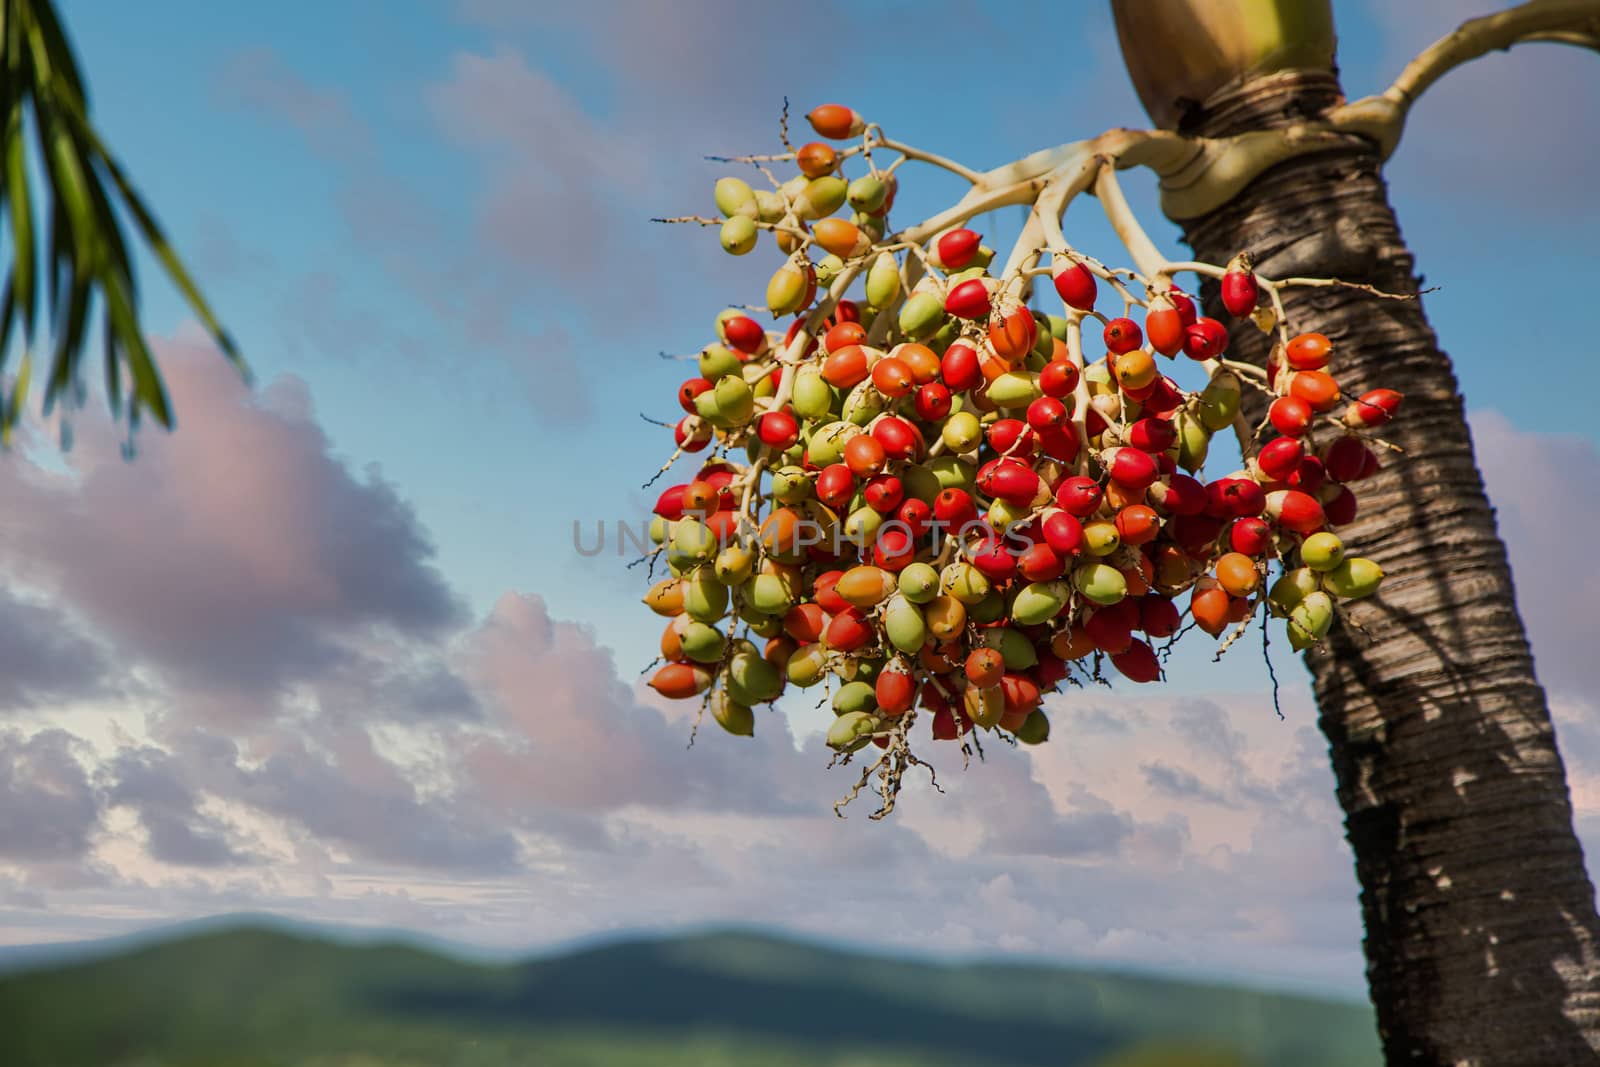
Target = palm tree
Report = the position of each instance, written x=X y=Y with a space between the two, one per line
x=83 y=263
x=1481 y=930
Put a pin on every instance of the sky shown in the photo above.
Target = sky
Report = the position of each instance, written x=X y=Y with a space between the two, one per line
x=328 y=651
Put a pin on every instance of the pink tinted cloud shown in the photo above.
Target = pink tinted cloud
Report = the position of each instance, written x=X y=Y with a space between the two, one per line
x=236 y=554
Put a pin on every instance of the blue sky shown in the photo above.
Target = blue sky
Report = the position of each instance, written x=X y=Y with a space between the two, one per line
x=428 y=227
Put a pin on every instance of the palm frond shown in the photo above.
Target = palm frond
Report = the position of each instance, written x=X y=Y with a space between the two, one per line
x=87 y=260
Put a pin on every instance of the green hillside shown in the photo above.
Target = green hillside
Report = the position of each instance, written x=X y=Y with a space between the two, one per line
x=256 y=997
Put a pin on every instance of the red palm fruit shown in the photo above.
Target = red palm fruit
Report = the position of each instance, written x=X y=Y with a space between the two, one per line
x=843 y=335
x=1308 y=351
x=1012 y=482
x=1076 y=286
x=1236 y=572
x=835 y=122
x=724 y=525
x=1240 y=292
x=824 y=593
x=957 y=248
x=1164 y=326
x=1210 y=606
x=1280 y=457
x=1050 y=669
x=669 y=505
x=1369 y=465
x=1151 y=435
x=794 y=331
x=1206 y=339
x=1120 y=496
x=690 y=434
x=672 y=645
x=1174 y=568
x=700 y=498
x=1194 y=532
x=1164 y=397
x=846 y=368
x=1060 y=444
x=1020 y=694
x=804 y=622
x=778 y=429
x=688 y=391
x=679 y=681
x=985 y=667
x=836 y=485
x=894 y=550
x=920 y=358
x=1138 y=663
x=883 y=493
x=1239 y=608
x=892 y=378
x=916 y=515
x=1109 y=630
x=1040 y=564
x=1062 y=532
x=1013 y=333
x=954 y=508
x=932 y=402
x=1047 y=413
x=1138 y=524
x=1316 y=388
x=994 y=559
x=1374 y=408
x=744 y=334
x=1179 y=495
x=968 y=300
x=1058 y=378
x=864 y=455
x=849 y=631
x=816 y=159
x=1140 y=575
x=1079 y=496
x=1094 y=424
x=1234 y=497
x=899 y=439
x=1308 y=476
x=1122 y=335
x=1340 y=510
x=1294 y=510
x=1129 y=467
x=959 y=368
x=844 y=311
x=1250 y=536
x=1010 y=437
x=949 y=723
x=1158 y=615
x=1187 y=311
x=1290 y=416
x=896 y=691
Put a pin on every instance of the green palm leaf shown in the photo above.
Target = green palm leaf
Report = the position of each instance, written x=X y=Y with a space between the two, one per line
x=87 y=259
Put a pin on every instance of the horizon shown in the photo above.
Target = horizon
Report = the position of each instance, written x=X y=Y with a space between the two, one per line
x=327 y=652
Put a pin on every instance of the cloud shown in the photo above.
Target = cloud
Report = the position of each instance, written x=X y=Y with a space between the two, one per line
x=235 y=556
x=44 y=658
x=48 y=807
x=155 y=785
x=258 y=79
x=1538 y=485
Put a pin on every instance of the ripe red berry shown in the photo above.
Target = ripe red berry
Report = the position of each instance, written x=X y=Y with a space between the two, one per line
x=1047 y=413
x=1280 y=457
x=969 y=300
x=1240 y=292
x=959 y=368
x=1290 y=416
x=932 y=402
x=744 y=334
x=1122 y=335
x=957 y=248
x=778 y=429
x=1206 y=339
x=1058 y=378
x=1076 y=286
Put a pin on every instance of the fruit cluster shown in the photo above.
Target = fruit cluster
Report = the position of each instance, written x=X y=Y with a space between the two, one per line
x=941 y=502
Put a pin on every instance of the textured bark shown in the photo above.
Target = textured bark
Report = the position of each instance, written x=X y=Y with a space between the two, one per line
x=1481 y=930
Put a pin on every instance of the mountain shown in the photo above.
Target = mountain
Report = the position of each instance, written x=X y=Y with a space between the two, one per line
x=260 y=996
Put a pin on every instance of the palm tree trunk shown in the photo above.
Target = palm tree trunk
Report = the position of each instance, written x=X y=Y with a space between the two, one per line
x=1481 y=931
